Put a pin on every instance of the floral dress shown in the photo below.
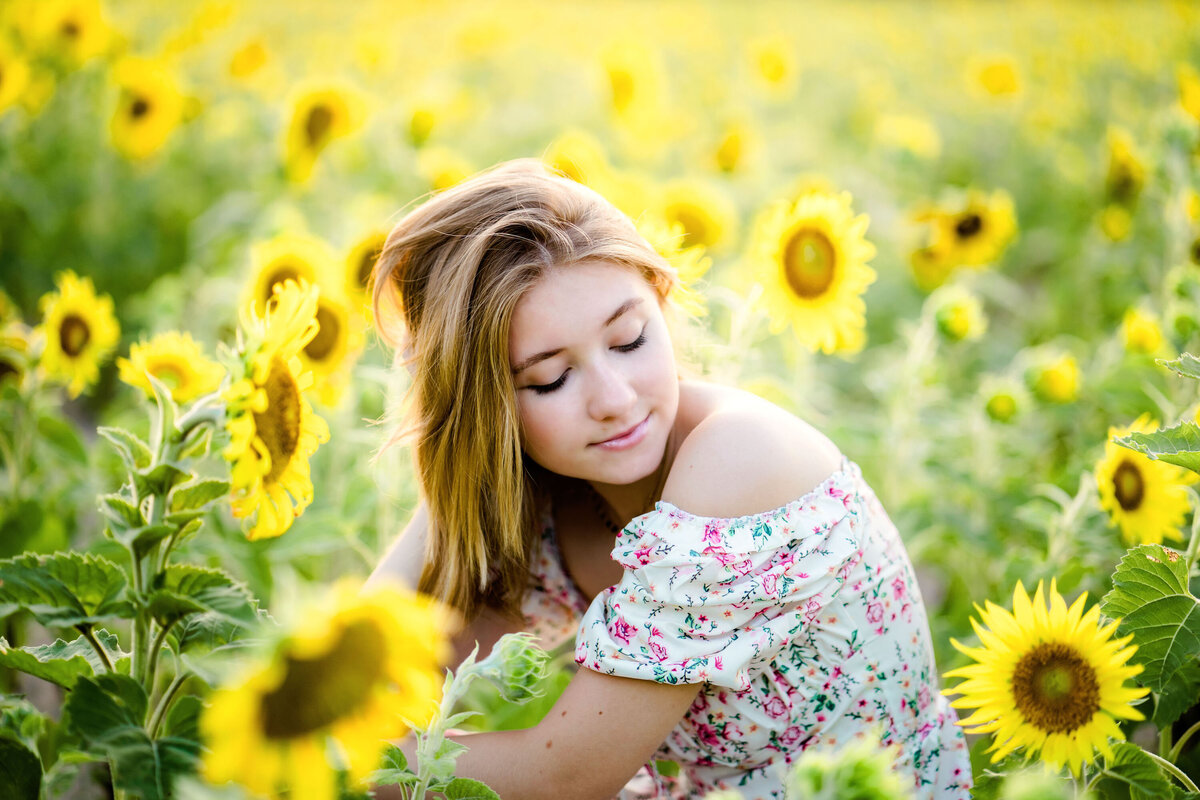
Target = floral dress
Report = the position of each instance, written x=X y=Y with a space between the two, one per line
x=804 y=626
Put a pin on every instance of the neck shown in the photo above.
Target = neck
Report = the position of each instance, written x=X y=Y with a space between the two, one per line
x=629 y=500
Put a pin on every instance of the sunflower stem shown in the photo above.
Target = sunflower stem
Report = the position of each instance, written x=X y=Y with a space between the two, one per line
x=1179 y=774
x=160 y=710
x=201 y=413
x=88 y=634
x=152 y=659
x=1177 y=750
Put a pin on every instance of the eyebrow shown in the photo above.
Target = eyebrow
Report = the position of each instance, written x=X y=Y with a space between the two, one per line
x=536 y=359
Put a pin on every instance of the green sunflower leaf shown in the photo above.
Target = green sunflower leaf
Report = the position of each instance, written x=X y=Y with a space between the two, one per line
x=468 y=789
x=160 y=479
x=62 y=662
x=197 y=494
x=20 y=771
x=65 y=588
x=133 y=451
x=120 y=510
x=1132 y=773
x=1150 y=595
x=143 y=538
x=394 y=769
x=1186 y=365
x=197 y=442
x=164 y=424
x=1179 y=445
x=184 y=589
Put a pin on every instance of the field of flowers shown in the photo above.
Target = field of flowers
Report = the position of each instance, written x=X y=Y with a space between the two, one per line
x=961 y=239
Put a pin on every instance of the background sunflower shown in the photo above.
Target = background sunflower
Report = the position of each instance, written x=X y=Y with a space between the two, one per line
x=78 y=332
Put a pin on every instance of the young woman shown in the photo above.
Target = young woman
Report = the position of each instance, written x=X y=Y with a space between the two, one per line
x=736 y=592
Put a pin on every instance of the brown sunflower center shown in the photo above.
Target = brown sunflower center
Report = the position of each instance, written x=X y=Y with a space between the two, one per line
x=968 y=225
x=73 y=335
x=278 y=274
x=279 y=425
x=622 y=88
x=367 y=263
x=7 y=368
x=809 y=263
x=695 y=227
x=69 y=29
x=318 y=691
x=1194 y=252
x=328 y=333
x=139 y=108
x=1055 y=689
x=1128 y=485
x=317 y=125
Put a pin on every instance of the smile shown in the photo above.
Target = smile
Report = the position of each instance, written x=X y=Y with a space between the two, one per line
x=627 y=439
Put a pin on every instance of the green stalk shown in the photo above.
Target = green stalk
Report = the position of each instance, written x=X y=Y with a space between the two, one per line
x=86 y=630
x=155 y=649
x=160 y=710
x=1179 y=774
x=1164 y=735
x=1178 y=749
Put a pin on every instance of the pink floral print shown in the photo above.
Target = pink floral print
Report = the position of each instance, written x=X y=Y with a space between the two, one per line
x=803 y=626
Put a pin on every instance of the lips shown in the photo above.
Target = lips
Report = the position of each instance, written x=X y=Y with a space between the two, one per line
x=627 y=438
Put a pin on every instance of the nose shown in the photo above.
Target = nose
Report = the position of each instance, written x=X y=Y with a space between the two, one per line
x=610 y=396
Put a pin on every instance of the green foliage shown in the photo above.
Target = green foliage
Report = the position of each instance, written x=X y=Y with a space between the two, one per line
x=109 y=714
x=1150 y=594
x=1179 y=445
x=20 y=771
x=64 y=588
x=1131 y=773
x=63 y=662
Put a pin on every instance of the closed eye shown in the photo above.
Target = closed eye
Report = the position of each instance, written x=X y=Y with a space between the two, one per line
x=546 y=388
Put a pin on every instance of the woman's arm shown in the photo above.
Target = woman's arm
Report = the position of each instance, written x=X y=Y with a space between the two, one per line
x=403 y=563
x=594 y=739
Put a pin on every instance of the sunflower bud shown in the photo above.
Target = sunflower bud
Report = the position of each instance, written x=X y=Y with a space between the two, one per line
x=860 y=771
x=516 y=666
x=959 y=315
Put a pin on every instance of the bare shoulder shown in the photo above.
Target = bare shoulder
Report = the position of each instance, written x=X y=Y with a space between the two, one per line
x=746 y=455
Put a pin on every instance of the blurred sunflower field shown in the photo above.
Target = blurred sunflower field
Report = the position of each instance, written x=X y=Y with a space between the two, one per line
x=962 y=239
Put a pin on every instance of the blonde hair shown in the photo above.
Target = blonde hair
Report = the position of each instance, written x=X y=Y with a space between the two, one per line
x=445 y=286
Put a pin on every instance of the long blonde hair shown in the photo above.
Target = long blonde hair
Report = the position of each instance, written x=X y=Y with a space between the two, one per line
x=445 y=286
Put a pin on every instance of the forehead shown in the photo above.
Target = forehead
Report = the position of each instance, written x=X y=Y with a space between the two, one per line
x=576 y=298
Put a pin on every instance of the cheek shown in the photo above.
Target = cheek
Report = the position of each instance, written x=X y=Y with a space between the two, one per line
x=540 y=426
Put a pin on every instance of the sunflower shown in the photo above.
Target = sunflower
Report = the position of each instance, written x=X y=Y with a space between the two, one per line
x=1116 y=223
x=75 y=30
x=706 y=214
x=79 y=332
x=1189 y=90
x=915 y=134
x=1056 y=379
x=1141 y=332
x=958 y=314
x=773 y=63
x=14 y=351
x=443 y=167
x=360 y=264
x=973 y=234
x=1050 y=679
x=351 y=673
x=177 y=361
x=577 y=155
x=1146 y=499
x=272 y=427
x=1126 y=171
x=1003 y=398
x=995 y=76
x=319 y=115
x=248 y=59
x=690 y=263
x=634 y=76
x=289 y=256
x=149 y=108
x=332 y=352
x=811 y=255
x=14 y=77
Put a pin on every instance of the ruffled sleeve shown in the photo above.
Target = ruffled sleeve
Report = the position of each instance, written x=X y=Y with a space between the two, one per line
x=714 y=600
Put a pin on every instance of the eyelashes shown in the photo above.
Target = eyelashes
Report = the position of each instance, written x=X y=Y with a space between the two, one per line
x=546 y=388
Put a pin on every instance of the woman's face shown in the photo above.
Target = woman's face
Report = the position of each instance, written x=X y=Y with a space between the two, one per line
x=592 y=360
